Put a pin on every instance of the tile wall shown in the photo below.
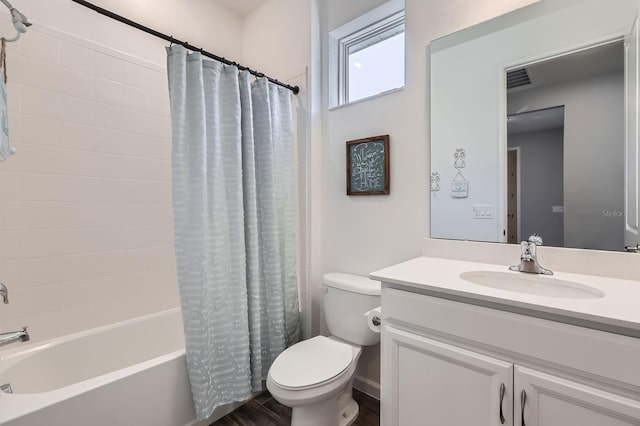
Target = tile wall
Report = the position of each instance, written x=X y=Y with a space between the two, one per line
x=85 y=204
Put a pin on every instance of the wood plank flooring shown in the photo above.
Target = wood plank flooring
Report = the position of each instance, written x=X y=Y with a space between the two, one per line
x=266 y=411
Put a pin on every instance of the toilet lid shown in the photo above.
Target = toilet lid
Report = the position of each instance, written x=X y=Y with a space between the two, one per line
x=310 y=362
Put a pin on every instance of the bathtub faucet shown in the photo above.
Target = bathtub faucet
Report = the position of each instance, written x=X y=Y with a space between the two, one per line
x=4 y=293
x=14 y=336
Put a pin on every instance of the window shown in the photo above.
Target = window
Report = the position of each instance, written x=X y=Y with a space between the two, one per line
x=370 y=56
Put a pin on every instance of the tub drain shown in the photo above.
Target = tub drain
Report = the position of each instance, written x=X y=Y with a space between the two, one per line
x=6 y=388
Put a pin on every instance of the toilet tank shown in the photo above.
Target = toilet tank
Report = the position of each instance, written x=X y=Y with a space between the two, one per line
x=347 y=298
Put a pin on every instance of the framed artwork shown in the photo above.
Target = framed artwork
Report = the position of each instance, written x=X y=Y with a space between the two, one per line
x=368 y=166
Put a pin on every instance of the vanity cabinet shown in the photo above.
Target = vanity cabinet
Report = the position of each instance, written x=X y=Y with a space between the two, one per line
x=550 y=400
x=433 y=383
x=449 y=363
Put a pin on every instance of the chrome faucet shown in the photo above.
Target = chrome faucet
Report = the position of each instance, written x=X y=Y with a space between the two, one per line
x=12 y=336
x=4 y=293
x=632 y=249
x=528 y=258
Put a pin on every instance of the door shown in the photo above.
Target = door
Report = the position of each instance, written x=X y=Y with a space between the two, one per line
x=552 y=401
x=512 y=196
x=426 y=382
x=631 y=135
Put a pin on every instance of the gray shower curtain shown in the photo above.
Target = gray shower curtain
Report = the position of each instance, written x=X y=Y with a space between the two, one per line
x=233 y=177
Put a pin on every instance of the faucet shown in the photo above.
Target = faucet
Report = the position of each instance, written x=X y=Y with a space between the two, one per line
x=528 y=258
x=4 y=293
x=632 y=249
x=12 y=336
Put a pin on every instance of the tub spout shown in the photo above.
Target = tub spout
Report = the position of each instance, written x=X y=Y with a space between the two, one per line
x=4 y=293
x=14 y=336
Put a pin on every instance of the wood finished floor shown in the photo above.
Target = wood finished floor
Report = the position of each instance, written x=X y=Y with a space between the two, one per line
x=266 y=411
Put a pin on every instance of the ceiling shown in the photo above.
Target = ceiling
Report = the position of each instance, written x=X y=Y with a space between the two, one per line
x=241 y=7
x=543 y=119
x=577 y=65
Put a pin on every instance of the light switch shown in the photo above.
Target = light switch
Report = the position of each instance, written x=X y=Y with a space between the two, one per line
x=484 y=211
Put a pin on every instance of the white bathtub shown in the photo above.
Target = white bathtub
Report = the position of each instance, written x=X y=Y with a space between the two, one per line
x=130 y=373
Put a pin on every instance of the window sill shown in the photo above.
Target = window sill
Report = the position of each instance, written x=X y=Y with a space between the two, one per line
x=368 y=98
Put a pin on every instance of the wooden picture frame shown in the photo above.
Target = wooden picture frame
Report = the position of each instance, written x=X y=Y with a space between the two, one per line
x=368 y=166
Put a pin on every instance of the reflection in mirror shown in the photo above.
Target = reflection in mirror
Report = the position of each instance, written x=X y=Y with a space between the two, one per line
x=543 y=104
x=535 y=175
x=565 y=142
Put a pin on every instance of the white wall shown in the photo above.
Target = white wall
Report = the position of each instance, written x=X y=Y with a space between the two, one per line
x=85 y=213
x=483 y=132
x=277 y=38
x=361 y=234
x=593 y=141
x=201 y=22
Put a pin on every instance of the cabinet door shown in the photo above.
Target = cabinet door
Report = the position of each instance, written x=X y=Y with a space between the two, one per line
x=426 y=382
x=552 y=401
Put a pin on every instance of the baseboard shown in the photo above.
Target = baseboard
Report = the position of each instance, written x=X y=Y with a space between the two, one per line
x=367 y=386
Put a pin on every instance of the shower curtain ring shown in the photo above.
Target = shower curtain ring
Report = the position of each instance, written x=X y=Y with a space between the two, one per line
x=170 y=40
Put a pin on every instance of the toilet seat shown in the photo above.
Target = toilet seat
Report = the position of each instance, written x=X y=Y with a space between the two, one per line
x=311 y=363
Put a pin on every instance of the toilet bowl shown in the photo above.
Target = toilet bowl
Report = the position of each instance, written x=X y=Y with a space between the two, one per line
x=315 y=377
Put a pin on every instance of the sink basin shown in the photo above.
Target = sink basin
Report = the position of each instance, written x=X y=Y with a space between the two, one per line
x=539 y=285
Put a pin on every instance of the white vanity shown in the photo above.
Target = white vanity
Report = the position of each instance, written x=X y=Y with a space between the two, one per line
x=551 y=350
x=456 y=352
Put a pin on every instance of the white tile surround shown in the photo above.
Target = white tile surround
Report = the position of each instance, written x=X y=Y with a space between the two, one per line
x=85 y=213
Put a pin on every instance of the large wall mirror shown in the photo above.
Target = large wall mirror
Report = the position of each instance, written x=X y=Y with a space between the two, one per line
x=534 y=127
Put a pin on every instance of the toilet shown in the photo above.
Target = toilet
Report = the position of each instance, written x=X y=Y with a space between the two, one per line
x=315 y=377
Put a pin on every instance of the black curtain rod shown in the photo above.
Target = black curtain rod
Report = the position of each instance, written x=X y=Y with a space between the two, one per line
x=170 y=39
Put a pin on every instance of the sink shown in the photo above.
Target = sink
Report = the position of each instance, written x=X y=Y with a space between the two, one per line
x=539 y=285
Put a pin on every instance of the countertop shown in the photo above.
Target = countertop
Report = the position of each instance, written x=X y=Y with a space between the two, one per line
x=618 y=311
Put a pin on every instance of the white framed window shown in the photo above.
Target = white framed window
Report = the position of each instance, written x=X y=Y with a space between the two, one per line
x=367 y=55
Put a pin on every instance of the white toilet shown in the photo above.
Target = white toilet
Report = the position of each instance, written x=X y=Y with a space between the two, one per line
x=315 y=377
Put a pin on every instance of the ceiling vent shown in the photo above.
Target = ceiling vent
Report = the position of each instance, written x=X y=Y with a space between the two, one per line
x=518 y=78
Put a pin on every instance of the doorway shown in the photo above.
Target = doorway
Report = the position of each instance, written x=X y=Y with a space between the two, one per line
x=535 y=175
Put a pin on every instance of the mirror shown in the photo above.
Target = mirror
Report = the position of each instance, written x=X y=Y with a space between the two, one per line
x=534 y=127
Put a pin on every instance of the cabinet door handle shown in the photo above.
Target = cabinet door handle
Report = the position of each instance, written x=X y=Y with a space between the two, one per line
x=523 y=401
x=502 y=391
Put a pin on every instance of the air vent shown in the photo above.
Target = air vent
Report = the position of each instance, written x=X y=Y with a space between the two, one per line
x=518 y=78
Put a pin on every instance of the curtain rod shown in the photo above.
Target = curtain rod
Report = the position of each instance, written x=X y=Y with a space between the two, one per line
x=170 y=39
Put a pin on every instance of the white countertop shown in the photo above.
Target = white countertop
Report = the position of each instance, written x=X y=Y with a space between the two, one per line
x=617 y=311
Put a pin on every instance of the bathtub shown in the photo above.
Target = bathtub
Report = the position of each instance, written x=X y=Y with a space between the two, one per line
x=129 y=373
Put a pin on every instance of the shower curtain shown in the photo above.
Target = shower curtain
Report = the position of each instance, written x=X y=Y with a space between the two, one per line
x=233 y=184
